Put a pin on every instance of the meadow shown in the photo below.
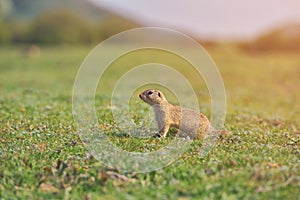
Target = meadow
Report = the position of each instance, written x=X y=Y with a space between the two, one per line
x=42 y=156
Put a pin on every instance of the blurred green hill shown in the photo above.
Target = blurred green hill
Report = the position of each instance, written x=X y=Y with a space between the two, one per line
x=82 y=22
x=282 y=39
x=58 y=21
x=29 y=9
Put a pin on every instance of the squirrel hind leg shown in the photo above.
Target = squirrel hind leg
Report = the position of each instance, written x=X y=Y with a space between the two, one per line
x=185 y=135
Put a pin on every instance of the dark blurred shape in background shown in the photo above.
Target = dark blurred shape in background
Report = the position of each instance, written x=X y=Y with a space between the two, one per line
x=57 y=22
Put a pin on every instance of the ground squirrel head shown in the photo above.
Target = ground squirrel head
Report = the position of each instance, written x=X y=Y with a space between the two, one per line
x=152 y=97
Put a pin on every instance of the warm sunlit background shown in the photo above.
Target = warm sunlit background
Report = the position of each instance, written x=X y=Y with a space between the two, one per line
x=260 y=23
x=231 y=19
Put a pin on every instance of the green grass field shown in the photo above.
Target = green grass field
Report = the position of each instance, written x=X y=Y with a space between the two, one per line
x=42 y=157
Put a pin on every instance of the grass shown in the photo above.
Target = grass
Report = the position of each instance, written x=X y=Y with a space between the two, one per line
x=41 y=156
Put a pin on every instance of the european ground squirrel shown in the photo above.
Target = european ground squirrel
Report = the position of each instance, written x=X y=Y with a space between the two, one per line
x=190 y=122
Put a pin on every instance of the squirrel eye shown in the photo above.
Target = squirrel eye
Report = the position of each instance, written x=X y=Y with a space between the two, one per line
x=150 y=92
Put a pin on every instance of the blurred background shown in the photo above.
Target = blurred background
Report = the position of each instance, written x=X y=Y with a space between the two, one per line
x=256 y=26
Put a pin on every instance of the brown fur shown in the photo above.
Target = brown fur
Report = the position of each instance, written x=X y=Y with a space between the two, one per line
x=190 y=122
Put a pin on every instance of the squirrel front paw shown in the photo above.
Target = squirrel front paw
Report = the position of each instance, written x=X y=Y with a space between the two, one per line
x=157 y=135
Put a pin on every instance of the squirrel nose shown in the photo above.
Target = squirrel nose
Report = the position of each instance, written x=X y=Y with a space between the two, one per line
x=140 y=95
